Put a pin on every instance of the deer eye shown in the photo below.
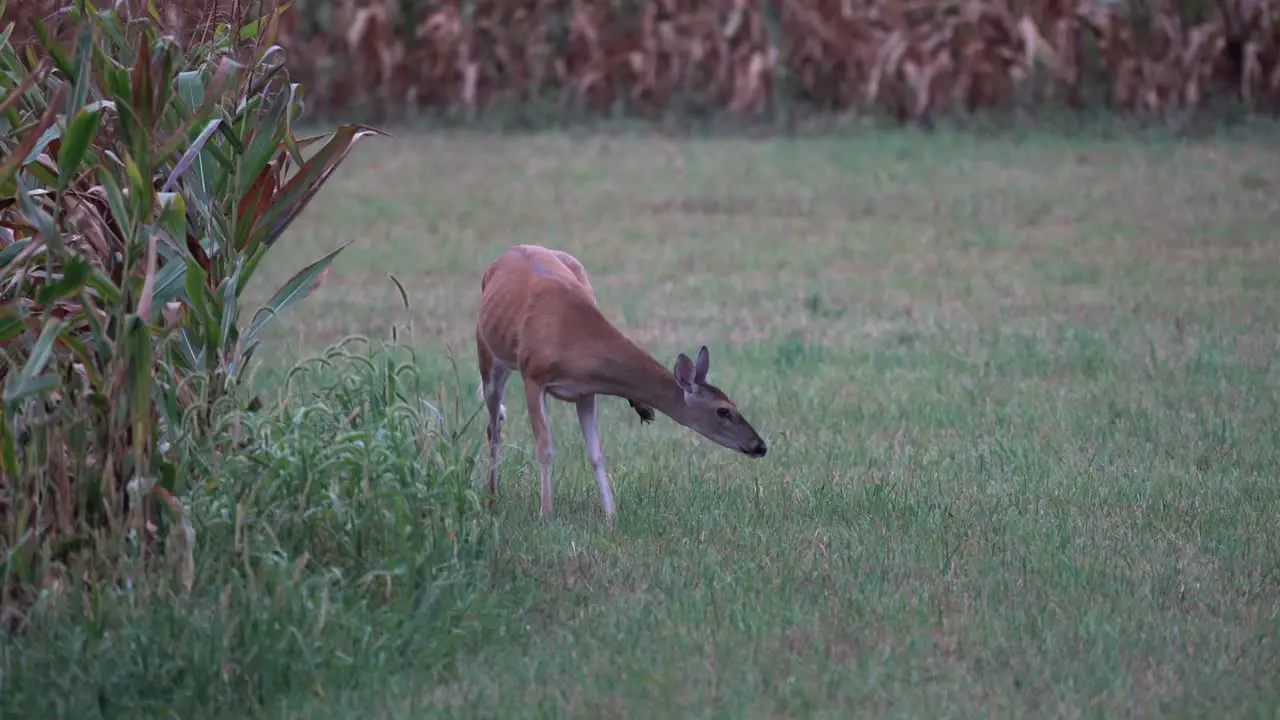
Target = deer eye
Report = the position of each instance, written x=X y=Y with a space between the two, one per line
x=722 y=412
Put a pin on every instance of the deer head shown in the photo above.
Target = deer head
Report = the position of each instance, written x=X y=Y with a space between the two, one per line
x=709 y=412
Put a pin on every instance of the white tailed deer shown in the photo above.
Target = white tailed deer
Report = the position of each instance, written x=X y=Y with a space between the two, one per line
x=538 y=316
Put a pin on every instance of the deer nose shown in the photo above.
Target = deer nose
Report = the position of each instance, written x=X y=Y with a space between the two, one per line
x=759 y=450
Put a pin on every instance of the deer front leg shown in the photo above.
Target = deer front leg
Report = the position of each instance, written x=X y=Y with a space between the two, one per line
x=536 y=399
x=587 y=418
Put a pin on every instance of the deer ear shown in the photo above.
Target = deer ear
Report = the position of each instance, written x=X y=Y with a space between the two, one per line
x=684 y=372
x=701 y=367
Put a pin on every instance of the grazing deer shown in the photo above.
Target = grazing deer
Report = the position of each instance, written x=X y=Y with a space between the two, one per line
x=538 y=316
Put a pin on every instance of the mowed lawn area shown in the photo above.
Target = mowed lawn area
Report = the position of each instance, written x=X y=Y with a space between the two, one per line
x=1020 y=397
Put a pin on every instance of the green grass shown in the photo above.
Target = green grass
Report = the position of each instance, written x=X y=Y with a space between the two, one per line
x=1021 y=406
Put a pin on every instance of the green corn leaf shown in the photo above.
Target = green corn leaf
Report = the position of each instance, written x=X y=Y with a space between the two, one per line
x=10 y=328
x=116 y=82
x=231 y=133
x=42 y=143
x=97 y=333
x=162 y=85
x=243 y=361
x=31 y=387
x=191 y=88
x=290 y=140
x=173 y=216
x=76 y=143
x=250 y=266
x=263 y=145
x=75 y=271
x=116 y=203
x=206 y=314
x=140 y=194
x=81 y=352
x=10 y=164
x=111 y=29
x=4 y=35
x=170 y=282
x=138 y=347
x=8 y=448
x=99 y=105
x=29 y=381
x=8 y=101
x=197 y=286
x=190 y=349
x=225 y=78
x=56 y=53
x=106 y=290
x=250 y=30
x=168 y=405
x=36 y=97
x=142 y=86
x=189 y=157
x=39 y=218
x=228 y=302
x=11 y=251
x=217 y=166
x=291 y=293
x=83 y=77
x=267 y=71
x=147 y=295
x=193 y=95
x=43 y=175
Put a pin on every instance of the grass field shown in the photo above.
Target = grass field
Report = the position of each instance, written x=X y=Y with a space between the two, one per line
x=1020 y=398
x=1024 y=447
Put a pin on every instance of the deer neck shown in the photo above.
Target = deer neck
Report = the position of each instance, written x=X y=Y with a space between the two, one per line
x=635 y=375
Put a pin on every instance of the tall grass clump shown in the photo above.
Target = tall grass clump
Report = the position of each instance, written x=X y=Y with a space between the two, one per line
x=340 y=545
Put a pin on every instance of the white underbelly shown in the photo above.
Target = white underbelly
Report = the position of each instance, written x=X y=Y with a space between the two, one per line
x=568 y=392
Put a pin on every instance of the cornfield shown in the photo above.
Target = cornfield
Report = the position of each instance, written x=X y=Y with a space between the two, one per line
x=141 y=184
x=913 y=58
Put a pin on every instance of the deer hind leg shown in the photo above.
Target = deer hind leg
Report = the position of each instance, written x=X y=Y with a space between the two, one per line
x=536 y=399
x=587 y=418
x=487 y=364
x=493 y=383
